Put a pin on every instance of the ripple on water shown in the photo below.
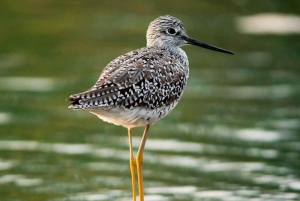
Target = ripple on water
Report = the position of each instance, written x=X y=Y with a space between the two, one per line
x=45 y=147
x=258 y=135
x=259 y=171
x=115 y=195
x=295 y=185
x=27 y=84
x=176 y=146
x=285 y=123
x=243 y=92
x=5 y=117
x=169 y=145
x=7 y=164
x=171 y=190
x=20 y=180
x=213 y=194
x=269 y=23
x=64 y=148
x=90 y=197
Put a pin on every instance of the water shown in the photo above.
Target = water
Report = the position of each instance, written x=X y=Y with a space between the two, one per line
x=233 y=136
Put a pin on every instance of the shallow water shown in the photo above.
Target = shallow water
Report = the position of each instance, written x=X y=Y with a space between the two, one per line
x=233 y=136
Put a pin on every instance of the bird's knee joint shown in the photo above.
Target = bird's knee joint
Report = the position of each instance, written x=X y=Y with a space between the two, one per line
x=139 y=159
x=132 y=162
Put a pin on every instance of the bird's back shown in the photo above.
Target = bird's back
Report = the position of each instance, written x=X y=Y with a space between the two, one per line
x=145 y=82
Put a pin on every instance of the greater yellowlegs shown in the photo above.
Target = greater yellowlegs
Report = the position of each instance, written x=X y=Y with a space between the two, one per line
x=143 y=86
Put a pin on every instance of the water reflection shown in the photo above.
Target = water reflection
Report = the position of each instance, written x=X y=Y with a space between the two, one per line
x=8 y=164
x=27 y=84
x=259 y=135
x=19 y=180
x=233 y=136
x=244 y=92
x=258 y=173
x=5 y=117
x=269 y=23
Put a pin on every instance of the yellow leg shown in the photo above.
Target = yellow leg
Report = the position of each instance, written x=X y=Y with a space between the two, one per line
x=132 y=164
x=139 y=163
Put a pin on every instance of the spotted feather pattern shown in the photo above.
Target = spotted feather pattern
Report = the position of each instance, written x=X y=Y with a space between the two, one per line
x=149 y=77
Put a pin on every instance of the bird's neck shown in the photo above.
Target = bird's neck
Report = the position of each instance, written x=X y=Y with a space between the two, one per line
x=180 y=54
x=177 y=51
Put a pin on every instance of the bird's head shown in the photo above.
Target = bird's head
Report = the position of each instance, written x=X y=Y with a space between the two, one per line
x=168 y=32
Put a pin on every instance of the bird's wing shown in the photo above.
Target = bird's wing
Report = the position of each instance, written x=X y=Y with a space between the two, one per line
x=146 y=77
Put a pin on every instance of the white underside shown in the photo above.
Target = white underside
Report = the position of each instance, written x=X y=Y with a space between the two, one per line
x=130 y=118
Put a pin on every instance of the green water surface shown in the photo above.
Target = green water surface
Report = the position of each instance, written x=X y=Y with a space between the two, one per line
x=233 y=136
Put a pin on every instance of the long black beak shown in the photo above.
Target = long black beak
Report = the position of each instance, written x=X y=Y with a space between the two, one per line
x=192 y=41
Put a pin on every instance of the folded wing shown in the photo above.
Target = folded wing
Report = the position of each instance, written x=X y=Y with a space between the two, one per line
x=143 y=78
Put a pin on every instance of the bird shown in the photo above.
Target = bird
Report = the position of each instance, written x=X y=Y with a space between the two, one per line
x=141 y=87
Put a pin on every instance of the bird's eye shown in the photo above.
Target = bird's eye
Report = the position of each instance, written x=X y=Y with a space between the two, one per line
x=171 y=31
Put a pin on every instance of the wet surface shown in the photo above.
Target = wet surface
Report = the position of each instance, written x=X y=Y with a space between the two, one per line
x=233 y=136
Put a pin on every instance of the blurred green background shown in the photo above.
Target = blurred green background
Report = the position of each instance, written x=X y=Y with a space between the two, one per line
x=233 y=136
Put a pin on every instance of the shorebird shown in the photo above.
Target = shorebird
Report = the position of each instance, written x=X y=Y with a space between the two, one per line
x=143 y=86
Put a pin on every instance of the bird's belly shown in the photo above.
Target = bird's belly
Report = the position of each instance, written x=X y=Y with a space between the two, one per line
x=129 y=118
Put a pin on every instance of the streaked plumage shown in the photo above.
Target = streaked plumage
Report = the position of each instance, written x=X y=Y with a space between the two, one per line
x=141 y=87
